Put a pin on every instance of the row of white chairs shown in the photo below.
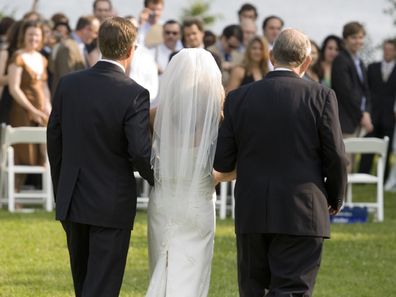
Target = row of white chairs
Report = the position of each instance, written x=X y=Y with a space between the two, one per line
x=9 y=170
x=225 y=200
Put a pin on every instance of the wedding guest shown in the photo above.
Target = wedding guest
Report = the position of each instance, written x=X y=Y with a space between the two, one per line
x=209 y=38
x=143 y=69
x=102 y=9
x=150 y=26
x=49 y=41
x=283 y=137
x=349 y=81
x=249 y=30
x=59 y=17
x=161 y=53
x=61 y=31
x=247 y=11
x=331 y=46
x=254 y=65
x=5 y=24
x=12 y=47
x=381 y=77
x=272 y=26
x=311 y=72
x=61 y=27
x=72 y=54
x=28 y=86
x=193 y=33
x=227 y=49
x=32 y=16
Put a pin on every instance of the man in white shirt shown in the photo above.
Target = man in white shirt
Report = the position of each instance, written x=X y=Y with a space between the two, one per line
x=161 y=53
x=149 y=20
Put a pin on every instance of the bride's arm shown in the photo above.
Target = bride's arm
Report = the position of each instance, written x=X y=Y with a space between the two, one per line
x=223 y=176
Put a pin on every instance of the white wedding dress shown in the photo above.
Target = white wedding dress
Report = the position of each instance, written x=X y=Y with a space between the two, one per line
x=181 y=212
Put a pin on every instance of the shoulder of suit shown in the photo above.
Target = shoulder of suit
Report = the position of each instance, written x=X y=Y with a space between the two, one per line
x=133 y=84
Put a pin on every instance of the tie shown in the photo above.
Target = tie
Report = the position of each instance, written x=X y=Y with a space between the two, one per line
x=386 y=70
x=359 y=70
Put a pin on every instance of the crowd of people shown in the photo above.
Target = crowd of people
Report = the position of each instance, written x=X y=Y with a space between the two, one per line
x=35 y=53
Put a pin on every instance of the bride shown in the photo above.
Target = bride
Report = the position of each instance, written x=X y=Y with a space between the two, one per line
x=181 y=211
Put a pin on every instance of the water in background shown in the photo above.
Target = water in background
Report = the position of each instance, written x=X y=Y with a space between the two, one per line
x=317 y=18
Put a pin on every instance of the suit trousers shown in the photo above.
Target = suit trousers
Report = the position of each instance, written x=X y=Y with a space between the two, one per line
x=97 y=258
x=277 y=265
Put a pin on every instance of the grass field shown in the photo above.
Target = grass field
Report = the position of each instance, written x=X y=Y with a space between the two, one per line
x=359 y=260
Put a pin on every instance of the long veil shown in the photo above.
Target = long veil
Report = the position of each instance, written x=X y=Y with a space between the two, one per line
x=186 y=123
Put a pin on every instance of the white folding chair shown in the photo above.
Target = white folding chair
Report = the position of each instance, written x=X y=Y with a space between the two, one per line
x=223 y=200
x=378 y=147
x=2 y=161
x=19 y=135
x=143 y=195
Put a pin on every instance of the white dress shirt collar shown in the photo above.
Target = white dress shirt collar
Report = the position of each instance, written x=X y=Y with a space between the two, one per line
x=113 y=62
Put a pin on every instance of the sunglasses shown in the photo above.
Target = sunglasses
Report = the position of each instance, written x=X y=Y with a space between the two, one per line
x=174 y=33
x=232 y=46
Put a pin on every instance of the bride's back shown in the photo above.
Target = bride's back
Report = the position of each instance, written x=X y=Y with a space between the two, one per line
x=186 y=124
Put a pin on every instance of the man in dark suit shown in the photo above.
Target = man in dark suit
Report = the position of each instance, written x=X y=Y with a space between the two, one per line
x=98 y=132
x=349 y=81
x=283 y=136
x=381 y=78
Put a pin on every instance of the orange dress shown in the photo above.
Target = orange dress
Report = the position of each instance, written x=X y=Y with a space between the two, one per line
x=32 y=86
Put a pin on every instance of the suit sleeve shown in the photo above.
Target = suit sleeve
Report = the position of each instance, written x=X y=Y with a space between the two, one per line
x=137 y=131
x=342 y=84
x=226 y=151
x=334 y=161
x=54 y=139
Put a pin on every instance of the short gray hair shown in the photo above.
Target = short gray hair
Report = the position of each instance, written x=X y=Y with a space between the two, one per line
x=291 y=48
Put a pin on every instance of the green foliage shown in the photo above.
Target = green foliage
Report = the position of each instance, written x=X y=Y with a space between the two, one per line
x=391 y=10
x=357 y=262
x=200 y=9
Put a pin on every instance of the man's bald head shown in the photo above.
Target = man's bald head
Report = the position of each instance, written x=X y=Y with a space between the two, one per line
x=291 y=48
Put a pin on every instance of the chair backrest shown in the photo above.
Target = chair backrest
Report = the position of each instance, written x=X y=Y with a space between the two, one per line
x=24 y=135
x=367 y=145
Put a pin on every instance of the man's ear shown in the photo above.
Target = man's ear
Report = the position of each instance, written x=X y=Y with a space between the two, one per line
x=129 y=53
x=304 y=66
x=271 y=56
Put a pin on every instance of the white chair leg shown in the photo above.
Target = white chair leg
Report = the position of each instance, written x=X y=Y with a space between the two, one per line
x=11 y=180
x=233 y=199
x=47 y=190
x=146 y=188
x=380 y=190
x=349 y=193
x=223 y=200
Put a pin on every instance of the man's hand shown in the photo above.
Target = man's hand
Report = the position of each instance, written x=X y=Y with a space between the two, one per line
x=366 y=123
x=333 y=211
x=144 y=16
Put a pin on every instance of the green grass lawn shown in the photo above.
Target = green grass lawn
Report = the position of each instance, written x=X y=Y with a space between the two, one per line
x=359 y=260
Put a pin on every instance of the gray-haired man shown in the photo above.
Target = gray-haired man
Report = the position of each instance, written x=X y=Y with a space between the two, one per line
x=285 y=136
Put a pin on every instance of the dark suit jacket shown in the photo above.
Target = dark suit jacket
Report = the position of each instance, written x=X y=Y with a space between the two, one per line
x=383 y=95
x=283 y=135
x=349 y=90
x=97 y=133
